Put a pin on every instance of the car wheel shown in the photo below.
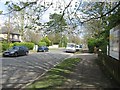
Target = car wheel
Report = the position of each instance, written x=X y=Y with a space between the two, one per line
x=3 y=55
x=16 y=54
x=46 y=50
x=26 y=53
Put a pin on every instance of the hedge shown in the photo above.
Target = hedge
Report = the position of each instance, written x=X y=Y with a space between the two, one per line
x=5 y=46
x=42 y=44
x=29 y=45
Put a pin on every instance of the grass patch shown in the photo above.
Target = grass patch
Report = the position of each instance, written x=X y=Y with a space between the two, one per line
x=68 y=64
x=56 y=76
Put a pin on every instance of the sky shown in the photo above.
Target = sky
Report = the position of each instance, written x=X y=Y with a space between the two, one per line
x=45 y=17
x=4 y=9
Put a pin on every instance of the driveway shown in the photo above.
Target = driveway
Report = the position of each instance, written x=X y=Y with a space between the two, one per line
x=19 y=71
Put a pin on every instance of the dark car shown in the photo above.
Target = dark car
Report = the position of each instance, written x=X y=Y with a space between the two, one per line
x=16 y=51
x=42 y=49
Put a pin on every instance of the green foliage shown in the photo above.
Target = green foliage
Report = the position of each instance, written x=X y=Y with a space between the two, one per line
x=5 y=46
x=1 y=12
x=56 y=19
x=42 y=44
x=11 y=45
x=47 y=82
x=57 y=38
x=54 y=38
x=60 y=71
x=91 y=44
x=68 y=64
x=57 y=23
x=100 y=27
x=114 y=19
x=63 y=42
x=100 y=43
x=29 y=45
x=45 y=39
x=16 y=7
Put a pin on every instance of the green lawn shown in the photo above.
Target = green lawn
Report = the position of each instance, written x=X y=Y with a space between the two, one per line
x=56 y=76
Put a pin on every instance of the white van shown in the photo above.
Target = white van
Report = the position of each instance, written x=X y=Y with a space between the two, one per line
x=71 y=47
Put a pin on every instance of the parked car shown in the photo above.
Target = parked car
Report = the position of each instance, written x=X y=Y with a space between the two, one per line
x=81 y=46
x=77 y=47
x=42 y=49
x=16 y=51
x=71 y=47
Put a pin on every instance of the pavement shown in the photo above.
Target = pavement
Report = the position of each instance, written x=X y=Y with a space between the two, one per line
x=88 y=75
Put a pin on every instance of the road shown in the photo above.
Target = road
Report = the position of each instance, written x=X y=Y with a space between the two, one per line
x=19 y=71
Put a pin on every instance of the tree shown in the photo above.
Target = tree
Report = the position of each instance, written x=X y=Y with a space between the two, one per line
x=32 y=36
x=98 y=26
x=63 y=41
x=55 y=38
x=56 y=23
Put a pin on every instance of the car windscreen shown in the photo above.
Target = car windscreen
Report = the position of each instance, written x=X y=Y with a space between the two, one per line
x=15 y=48
x=70 y=45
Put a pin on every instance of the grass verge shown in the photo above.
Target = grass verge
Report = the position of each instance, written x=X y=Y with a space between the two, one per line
x=56 y=76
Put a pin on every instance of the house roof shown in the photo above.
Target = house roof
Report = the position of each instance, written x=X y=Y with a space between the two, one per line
x=5 y=31
x=11 y=32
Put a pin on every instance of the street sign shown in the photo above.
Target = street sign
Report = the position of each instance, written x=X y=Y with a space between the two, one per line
x=115 y=42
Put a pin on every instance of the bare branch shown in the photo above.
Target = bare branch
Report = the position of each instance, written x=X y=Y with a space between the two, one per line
x=65 y=9
x=104 y=14
x=20 y=8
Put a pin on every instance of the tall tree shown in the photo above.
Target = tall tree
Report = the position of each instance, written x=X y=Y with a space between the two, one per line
x=56 y=22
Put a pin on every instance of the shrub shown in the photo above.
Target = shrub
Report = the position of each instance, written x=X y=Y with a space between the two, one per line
x=29 y=45
x=11 y=45
x=42 y=44
x=0 y=47
x=100 y=43
x=4 y=46
x=45 y=39
x=91 y=44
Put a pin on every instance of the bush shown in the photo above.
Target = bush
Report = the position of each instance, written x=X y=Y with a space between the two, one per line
x=42 y=44
x=29 y=45
x=0 y=47
x=91 y=44
x=4 y=46
x=100 y=43
x=45 y=39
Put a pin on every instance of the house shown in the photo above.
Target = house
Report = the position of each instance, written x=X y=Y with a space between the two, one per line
x=13 y=36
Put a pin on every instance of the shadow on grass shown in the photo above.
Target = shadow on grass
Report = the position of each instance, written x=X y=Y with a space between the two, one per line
x=56 y=76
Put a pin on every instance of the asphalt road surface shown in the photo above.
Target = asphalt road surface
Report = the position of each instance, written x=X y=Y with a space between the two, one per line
x=19 y=71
